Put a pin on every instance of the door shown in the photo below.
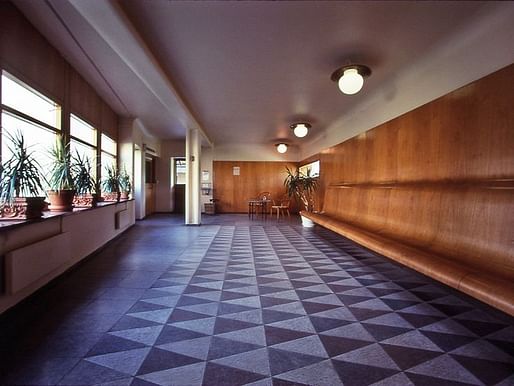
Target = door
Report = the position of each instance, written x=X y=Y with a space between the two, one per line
x=179 y=185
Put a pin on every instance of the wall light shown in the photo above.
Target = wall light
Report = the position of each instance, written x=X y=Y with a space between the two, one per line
x=281 y=147
x=351 y=78
x=300 y=129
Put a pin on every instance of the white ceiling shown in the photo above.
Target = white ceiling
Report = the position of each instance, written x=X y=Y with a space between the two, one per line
x=242 y=71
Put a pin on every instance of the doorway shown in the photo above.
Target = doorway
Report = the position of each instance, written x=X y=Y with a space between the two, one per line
x=149 y=185
x=178 y=167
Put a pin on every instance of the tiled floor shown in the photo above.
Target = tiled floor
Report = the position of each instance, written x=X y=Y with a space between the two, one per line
x=251 y=302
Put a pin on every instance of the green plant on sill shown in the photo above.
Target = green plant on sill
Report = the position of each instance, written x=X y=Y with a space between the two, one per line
x=20 y=175
x=302 y=187
x=83 y=180
x=60 y=177
x=111 y=183
x=124 y=181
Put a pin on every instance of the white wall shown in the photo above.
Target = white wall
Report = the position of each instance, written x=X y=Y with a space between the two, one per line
x=37 y=252
x=132 y=133
x=206 y=165
x=479 y=49
x=164 y=191
x=253 y=152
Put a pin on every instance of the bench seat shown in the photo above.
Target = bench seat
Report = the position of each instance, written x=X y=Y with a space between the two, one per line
x=491 y=289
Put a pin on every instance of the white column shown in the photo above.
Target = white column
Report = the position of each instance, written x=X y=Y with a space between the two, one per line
x=193 y=153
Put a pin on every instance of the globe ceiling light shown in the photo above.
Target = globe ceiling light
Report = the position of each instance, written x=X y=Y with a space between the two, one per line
x=300 y=129
x=350 y=79
x=281 y=147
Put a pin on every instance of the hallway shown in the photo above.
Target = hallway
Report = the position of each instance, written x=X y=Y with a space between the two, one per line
x=263 y=303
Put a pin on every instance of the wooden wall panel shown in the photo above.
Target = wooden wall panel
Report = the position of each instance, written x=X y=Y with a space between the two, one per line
x=233 y=192
x=26 y=54
x=440 y=177
x=84 y=101
x=109 y=122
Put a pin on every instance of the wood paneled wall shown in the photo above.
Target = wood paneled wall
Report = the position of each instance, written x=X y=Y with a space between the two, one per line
x=26 y=54
x=440 y=177
x=233 y=192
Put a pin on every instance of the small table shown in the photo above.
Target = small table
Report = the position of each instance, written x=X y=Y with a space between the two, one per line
x=255 y=204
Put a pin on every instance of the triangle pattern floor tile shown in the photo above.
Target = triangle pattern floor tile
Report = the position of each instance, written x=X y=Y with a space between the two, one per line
x=221 y=347
x=145 y=335
x=445 y=367
x=90 y=373
x=196 y=348
x=191 y=375
x=274 y=304
x=256 y=361
x=320 y=374
x=489 y=372
x=158 y=360
x=359 y=374
x=216 y=374
x=335 y=346
x=282 y=361
x=125 y=361
x=311 y=345
x=373 y=355
x=254 y=335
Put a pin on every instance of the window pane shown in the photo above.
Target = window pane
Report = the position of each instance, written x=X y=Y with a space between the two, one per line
x=38 y=139
x=107 y=160
x=84 y=151
x=311 y=169
x=82 y=130
x=180 y=171
x=19 y=96
x=108 y=145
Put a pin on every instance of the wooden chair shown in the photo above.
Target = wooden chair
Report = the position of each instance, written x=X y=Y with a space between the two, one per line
x=281 y=207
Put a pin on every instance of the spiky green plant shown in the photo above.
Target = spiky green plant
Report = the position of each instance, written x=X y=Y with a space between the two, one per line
x=83 y=180
x=60 y=176
x=124 y=181
x=302 y=187
x=111 y=183
x=20 y=175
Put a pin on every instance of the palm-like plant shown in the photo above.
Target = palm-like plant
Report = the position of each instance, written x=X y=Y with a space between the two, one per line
x=82 y=174
x=302 y=187
x=20 y=175
x=60 y=177
x=124 y=181
x=111 y=183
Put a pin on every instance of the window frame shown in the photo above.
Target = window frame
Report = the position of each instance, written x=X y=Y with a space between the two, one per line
x=101 y=151
x=29 y=119
x=310 y=163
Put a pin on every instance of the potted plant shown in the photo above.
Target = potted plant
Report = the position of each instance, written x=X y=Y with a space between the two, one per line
x=111 y=184
x=124 y=184
x=20 y=183
x=60 y=179
x=86 y=195
x=302 y=187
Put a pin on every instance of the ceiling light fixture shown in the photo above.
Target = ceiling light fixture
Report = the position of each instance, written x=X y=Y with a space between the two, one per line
x=300 y=129
x=351 y=78
x=281 y=147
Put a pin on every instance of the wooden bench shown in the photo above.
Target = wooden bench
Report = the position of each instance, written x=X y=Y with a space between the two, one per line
x=459 y=233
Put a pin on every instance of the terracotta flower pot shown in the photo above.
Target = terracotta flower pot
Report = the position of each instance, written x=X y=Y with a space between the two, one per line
x=61 y=200
x=124 y=196
x=111 y=196
x=85 y=200
x=23 y=208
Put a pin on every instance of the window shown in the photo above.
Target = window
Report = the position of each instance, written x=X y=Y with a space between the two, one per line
x=27 y=111
x=109 y=152
x=83 y=140
x=310 y=169
x=180 y=171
